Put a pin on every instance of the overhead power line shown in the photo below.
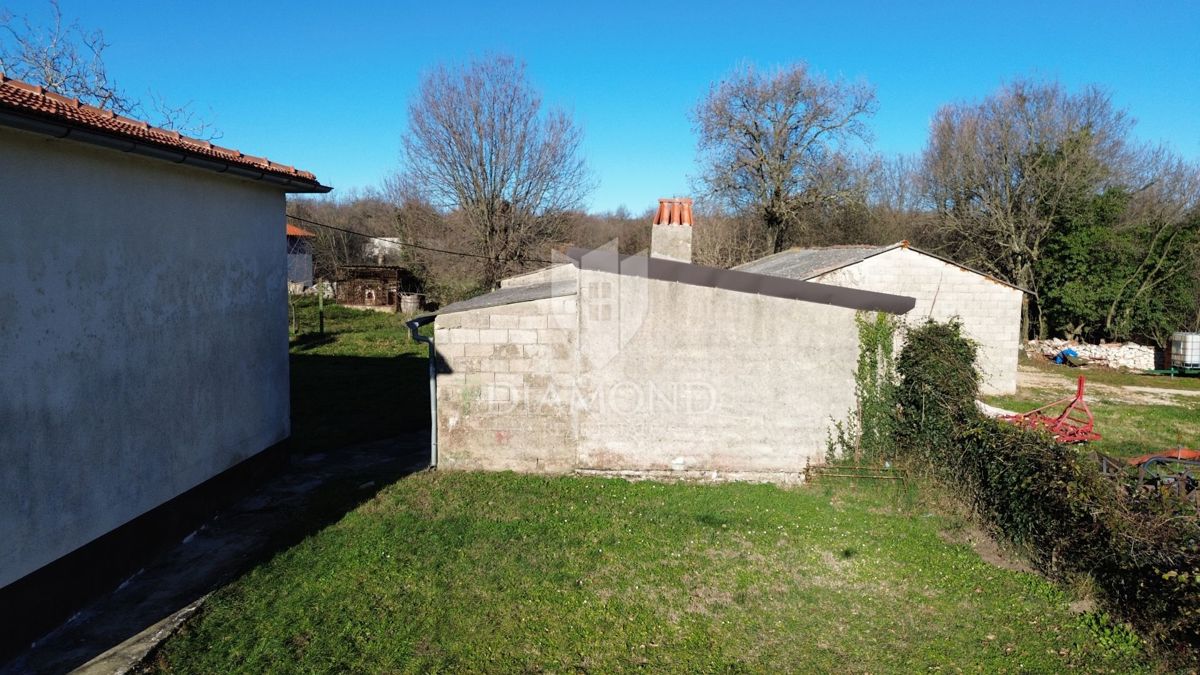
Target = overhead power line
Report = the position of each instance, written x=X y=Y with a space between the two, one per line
x=418 y=246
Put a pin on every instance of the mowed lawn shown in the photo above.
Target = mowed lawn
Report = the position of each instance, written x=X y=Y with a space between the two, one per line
x=363 y=379
x=467 y=572
x=1132 y=419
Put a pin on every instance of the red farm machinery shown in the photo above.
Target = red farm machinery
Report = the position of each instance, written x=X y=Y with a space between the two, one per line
x=1069 y=420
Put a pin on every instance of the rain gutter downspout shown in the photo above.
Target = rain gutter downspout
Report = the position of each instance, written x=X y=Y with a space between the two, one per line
x=414 y=327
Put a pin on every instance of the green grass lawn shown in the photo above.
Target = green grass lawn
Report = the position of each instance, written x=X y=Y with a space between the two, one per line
x=464 y=572
x=1128 y=428
x=363 y=379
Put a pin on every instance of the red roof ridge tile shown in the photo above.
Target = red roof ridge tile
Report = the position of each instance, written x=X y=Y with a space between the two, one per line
x=35 y=101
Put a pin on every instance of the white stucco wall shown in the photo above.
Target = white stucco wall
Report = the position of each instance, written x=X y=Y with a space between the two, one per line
x=990 y=312
x=144 y=334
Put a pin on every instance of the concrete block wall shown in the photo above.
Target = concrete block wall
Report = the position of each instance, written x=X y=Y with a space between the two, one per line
x=990 y=311
x=709 y=382
x=645 y=377
x=673 y=242
x=505 y=377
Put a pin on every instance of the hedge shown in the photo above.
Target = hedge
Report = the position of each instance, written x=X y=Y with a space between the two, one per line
x=1140 y=547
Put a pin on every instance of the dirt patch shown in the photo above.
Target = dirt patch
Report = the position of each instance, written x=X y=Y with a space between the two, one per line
x=833 y=562
x=1084 y=606
x=1160 y=390
x=1052 y=383
x=987 y=548
x=703 y=599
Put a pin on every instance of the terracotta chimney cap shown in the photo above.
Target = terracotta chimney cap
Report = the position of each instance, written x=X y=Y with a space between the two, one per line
x=674 y=211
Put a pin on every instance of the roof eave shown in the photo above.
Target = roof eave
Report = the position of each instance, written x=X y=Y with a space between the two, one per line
x=84 y=134
x=661 y=269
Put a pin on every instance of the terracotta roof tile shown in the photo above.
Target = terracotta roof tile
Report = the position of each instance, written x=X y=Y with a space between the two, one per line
x=293 y=231
x=33 y=101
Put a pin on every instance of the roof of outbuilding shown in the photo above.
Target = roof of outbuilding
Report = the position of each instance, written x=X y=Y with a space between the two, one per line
x=808 y=263
x=511 y=296
x=691 y=274
x=34 y=108
x=738 y=281
x=293 y=231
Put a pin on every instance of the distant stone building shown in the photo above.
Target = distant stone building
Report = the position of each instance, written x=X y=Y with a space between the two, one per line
x=299 y=259
x=389 y=288
x=988 y=308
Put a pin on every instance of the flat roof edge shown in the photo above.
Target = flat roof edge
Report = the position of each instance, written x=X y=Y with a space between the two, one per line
x=508 y=296
x=740 y=282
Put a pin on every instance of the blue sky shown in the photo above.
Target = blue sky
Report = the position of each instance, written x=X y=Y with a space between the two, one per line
x=325 y=85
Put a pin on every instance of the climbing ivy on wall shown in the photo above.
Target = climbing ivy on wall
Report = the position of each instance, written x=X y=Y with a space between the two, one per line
x=865 y=436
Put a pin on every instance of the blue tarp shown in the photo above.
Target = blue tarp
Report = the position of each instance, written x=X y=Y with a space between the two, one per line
x=1062 y=356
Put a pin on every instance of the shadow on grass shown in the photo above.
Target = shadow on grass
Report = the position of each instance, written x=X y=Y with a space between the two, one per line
x=341 y=400
x=309 y=341
x=359 y=424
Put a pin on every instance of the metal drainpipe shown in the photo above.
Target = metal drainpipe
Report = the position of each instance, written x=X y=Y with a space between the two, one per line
x=413 y=328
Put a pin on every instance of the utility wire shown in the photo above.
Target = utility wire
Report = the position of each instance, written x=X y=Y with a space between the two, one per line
x=423 y=248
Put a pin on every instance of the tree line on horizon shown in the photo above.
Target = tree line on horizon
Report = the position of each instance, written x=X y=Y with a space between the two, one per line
x=1040 y=186
x=1037 y=185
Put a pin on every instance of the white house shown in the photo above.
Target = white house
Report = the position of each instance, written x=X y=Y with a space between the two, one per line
x=383 y=250
x=988 y=308
x=144 y=326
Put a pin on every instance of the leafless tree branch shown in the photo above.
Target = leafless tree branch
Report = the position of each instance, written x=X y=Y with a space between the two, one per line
x=778 y=143
x=480 y=144
x=1002 y=171
x=69 y=60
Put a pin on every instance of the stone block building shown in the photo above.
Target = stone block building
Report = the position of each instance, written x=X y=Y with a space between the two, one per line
x=388 y=288
x=299 y=259
x=988 y=308
x=648 y=366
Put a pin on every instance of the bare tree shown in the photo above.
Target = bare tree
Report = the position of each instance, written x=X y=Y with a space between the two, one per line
x=69 y=60
x=896 y=205
x=480 y=143
x=1001 y=172
x=64 y=58
x=776 y=144
x=725 y=239
x=632 y=233
x=366 y=213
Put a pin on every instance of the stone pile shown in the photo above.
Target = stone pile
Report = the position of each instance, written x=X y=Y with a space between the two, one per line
x=1113 y=355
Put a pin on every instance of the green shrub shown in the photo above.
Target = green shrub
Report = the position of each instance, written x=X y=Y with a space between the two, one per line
x=1140 y=547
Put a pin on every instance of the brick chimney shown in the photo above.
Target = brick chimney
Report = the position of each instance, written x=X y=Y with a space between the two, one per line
x=671 y=236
